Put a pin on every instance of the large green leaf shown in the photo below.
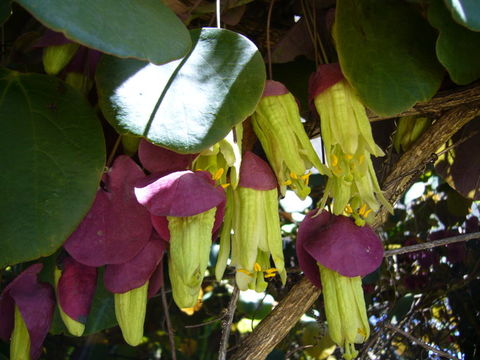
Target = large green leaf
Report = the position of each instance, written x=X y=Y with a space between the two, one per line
x=52 y=155
x=5 y=10
x=386 y=51
x=466 y=12
x=143 y=29
x=458 y=48
x=189 y=104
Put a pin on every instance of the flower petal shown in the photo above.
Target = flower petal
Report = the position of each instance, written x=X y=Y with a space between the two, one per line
x=158 y=159
x=36 y=303
x=338 y=244
x=117 y=226
x=120 y=278
x=256 y=174
x=182 y=193
x=76 y=288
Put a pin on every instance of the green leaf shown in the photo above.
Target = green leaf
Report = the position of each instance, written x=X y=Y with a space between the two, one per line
x=5 y=10
x=402 y=307
x=465 y=12
x=458 y=48
x=386 y=51
x=189 y=104
x=143 y=29
x=52 y=154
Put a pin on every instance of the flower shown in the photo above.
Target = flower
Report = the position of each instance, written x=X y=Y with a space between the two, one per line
x=334 y=253
x=348 y=140
x=277 y=124
x=256 y=227
x=186 y=210
x=26 y=310
x=75 y=285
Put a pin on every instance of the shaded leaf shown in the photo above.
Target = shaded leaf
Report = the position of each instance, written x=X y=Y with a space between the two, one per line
x=5 y=10
x=465 y=12
x=52 y=154
x=390 y=70
x=189 y=104
x=460 y=167
x=144 y=29
x=458 y=49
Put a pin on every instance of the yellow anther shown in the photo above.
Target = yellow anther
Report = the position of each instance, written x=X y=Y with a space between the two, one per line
x=293 y=176
x=269 y=275
x=334 y=160
x=361 y=159
x=348 y=209
x=348 y=157
x=225 y=185
x=363 y=209
x=306 y=177
x=271 y=271
x=218 y=174
x=287 y=182
x=257 y=267
x=362 y=332
x=245 y=272
x=367 y=212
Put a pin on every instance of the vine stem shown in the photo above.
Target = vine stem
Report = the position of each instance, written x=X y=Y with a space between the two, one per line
x=227 y=323
x=432 y=244
x=420 y=342
x=269 y=50
x=171 y=335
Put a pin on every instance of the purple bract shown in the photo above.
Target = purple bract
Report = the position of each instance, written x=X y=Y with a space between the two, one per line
x=256 y=174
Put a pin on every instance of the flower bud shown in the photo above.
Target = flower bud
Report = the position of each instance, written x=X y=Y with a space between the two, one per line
x=56 y=57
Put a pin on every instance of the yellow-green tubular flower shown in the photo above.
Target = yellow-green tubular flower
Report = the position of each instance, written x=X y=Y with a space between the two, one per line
x=348 y=140
x=56 y=57
x=256 y=226
x=20 y=342
x=345 y=310
x=187 y=263
x=409 y=129
x=223 y=159
x=277 y=124
x=130 y=309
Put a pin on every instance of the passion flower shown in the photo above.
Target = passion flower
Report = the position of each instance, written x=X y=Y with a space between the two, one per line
x=186 y=208
x=277 y=124
x=334 y=253
x=348 y=141
x=256 y=227
x=26 y=310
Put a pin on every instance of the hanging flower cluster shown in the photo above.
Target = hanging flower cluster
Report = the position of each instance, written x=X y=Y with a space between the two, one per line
x=187 y=201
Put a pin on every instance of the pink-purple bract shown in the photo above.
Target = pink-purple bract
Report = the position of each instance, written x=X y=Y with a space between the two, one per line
x=157 y=159
x=338 y=244
x=36 y=303
x=117 y=227
x=256 y=174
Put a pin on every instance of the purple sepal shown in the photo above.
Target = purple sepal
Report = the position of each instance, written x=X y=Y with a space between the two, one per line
x=84 y=62
x=117 y=227
x=157 y=159
x=274 y=88
x=36 y=303
x=338 y=244
x=124 y=277
x=326 y=76
x=181 y=194
x=256 y=173
x=156 y=280
x=76 y=288
x=52 y=38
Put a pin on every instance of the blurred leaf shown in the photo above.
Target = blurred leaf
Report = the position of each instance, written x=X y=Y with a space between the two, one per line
x=189 y=104
x=386 y=51
x=52 y=154
x=143 y=29
x=466 y=12
x=458 y=48
x=402 y=307
x=5 y=10
x=460 y=167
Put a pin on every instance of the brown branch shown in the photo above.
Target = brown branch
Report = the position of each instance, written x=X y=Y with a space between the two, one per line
x=432 y=244
x=420 y=342
x=171 y=335
x=227 y=324
x=301 y=297
x=443 y=101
